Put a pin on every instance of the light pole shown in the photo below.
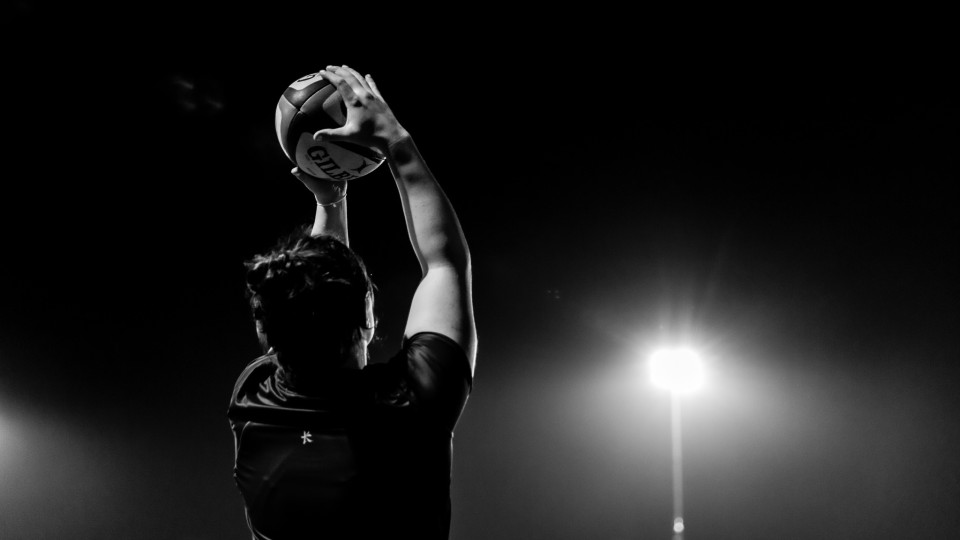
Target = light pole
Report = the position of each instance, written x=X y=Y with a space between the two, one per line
x=680 y=371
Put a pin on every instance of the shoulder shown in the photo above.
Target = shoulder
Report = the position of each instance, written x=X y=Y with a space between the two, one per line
x=431 y=355
x=251 y=378
x=435 y=376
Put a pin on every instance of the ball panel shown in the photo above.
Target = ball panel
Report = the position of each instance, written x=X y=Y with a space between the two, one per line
x=369 y=153
x=336 y=108
x=325 y=101
x=315 y=158
x=305 y=81
x=306 y=124
x=303 y=89
x=331 y=161
x=353 y=163
x=284 y=116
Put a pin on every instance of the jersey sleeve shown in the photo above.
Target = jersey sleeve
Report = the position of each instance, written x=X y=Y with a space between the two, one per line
x=438 y=375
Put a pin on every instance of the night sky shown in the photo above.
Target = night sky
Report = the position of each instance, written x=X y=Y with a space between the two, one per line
x=783 y=201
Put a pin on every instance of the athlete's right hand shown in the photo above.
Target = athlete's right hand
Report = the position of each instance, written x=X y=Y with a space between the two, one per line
x=324 y=191
x=370 y=121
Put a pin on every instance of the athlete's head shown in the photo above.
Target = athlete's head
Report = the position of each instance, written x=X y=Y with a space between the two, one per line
x=312 y=301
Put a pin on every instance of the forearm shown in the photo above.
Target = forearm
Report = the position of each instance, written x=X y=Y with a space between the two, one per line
x=331 y=212
x=433 y=226
x=331 y=219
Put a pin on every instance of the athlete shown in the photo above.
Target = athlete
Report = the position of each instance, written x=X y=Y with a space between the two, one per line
x=327 y=445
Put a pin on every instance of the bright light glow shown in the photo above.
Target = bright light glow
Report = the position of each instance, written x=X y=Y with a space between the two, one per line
x=678 y=525
x=8 y=439
x=678 y=370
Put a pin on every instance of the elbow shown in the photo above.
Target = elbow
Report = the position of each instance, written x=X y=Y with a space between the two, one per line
x=460 y=256
x=455 y=256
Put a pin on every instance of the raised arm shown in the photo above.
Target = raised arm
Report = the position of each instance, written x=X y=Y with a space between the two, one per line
x=443 y=302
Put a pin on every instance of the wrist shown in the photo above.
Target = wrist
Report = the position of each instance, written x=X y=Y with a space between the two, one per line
x=395 y=137
x=331 y=195
x=401 y=150
x=334 y=202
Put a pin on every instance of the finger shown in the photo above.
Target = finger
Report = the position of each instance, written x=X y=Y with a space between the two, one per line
x=328 y=69
x=373 y=87
x=337 y=134
x=302 y=176
x=360 y=80
x=346 y=91
x=348 y=75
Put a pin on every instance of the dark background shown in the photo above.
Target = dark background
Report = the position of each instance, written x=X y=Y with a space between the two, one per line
x=783 y=199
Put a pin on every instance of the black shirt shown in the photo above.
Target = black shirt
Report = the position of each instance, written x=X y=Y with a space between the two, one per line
x=362 y=454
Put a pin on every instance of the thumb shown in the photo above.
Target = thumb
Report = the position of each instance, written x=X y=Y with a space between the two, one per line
x=304 y=177
x=301 y=175
x=337 y=134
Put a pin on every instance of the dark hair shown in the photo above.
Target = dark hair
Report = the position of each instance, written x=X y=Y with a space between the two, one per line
x=308 y=296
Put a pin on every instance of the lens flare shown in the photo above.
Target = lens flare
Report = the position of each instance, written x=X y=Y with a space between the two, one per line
x=677 y=369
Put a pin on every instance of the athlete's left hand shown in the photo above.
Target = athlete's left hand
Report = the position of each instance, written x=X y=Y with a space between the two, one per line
x=370 y=121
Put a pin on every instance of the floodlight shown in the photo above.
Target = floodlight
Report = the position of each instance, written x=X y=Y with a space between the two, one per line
x=677 y=369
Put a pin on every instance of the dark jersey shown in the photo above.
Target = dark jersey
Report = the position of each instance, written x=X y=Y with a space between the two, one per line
x=363 y=454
